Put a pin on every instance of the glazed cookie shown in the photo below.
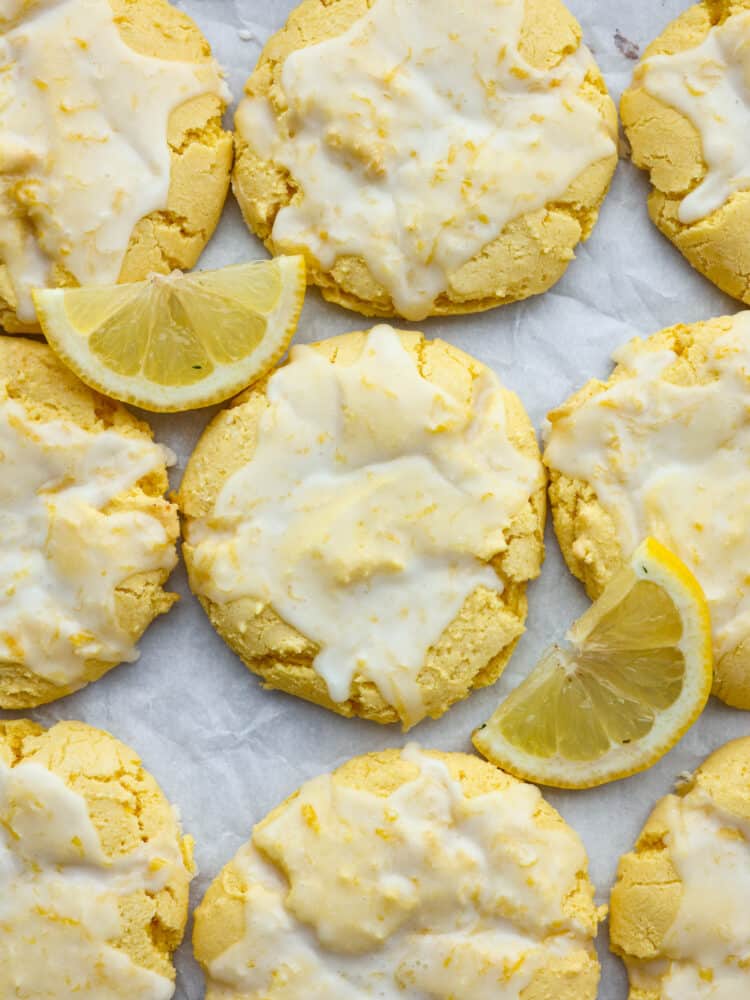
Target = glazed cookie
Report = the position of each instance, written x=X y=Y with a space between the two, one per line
x=108 y=174
x=86 y=537
x=687 y=116
x=661 y=449
x=426 y=158
x=361 y=528
x=679 y=913
x=404 y=873
x=94 y=870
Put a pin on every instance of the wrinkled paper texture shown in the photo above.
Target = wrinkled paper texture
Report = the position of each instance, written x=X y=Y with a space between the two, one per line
x=224 y=750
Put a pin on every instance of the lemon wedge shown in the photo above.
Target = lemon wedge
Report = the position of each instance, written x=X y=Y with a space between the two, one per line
x=177 y=341
x=633 y=676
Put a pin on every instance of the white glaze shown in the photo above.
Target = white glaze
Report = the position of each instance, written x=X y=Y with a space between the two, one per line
x=710 y=85
x=673 y=461
x=417 y=135
x=62 y=552
x=423 y=894
x=59 y=895
x=374 y=529
x=83 y=139
x=710 y=850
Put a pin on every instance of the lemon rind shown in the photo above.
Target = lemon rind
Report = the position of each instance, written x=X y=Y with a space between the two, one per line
x=215 y=388
x=651 y=561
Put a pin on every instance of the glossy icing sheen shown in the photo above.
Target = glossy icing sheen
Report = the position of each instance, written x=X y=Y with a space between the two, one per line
x=62 y=552
x=707 y=947
x=417 y=135
x=83 y=139
x=390 y=489
x=671 y=460
x=59 y=896
x=425 y=893
x=710 y=85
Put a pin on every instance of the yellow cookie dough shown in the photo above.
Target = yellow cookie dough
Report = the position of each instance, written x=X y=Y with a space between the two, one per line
x=200 y=153
x=674 y=144
x=368 y=181
x=679 y=915
x=95 y=875
x=404 y=870
x=87 y=537
x=661 y=449
x=354 y=551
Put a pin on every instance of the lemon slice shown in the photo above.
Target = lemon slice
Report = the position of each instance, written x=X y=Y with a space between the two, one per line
x=177 y=341
x=632 y=678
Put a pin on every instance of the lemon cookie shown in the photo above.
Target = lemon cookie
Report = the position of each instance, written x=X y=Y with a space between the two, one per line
x=361 y=529
x=114 y=161
x=662 y=449
x=679 y=913
x=86 y=536
x=427 y=158
x=404 y=873
x=687 y=116
x=94 y=870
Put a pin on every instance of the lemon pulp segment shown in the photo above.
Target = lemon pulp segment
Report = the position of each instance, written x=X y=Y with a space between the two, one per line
x=633 y=675
x=177 y=341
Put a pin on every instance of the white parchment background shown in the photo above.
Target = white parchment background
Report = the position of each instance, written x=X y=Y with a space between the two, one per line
x=224 y=750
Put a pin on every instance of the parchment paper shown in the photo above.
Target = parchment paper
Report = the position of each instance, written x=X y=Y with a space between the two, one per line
x=224 y=750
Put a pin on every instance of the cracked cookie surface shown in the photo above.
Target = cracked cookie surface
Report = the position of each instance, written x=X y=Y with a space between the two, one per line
x=88 y=537
x=383 y=173
x=96 y=870
x=382 y=544
x=696 y=66
x=679 y=916
x=199 y=154
x=404 y=872
x=660 y=449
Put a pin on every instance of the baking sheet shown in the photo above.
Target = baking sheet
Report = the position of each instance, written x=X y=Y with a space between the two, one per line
x=224 y=750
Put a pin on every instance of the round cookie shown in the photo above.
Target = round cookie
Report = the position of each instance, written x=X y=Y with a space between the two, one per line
x=404 y=871
x=87 y=537
x=405 y=200
x=329 y=544
x=173 y=235
x=687 y=120
x=678 y=915
x=95 y=870
x=661 y=449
